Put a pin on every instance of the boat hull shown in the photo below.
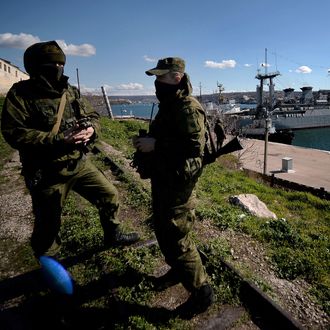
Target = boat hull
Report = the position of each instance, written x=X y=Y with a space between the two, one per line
x=284 y=137
x=311 y=118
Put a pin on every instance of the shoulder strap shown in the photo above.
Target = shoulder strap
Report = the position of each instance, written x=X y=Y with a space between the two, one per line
x=60 y=112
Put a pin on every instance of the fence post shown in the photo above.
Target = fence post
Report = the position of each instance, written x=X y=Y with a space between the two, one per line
x=107 y=102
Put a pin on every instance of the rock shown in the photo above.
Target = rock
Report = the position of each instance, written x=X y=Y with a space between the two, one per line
x=253 y=205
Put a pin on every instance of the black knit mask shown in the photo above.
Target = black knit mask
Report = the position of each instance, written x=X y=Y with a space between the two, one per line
x=165 y=91
x=51 y=72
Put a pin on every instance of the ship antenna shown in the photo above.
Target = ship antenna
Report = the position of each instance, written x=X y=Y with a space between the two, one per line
x=266 y=61
x=221 y=89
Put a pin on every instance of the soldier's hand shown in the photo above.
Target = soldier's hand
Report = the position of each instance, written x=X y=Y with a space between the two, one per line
x=144 y=144
x=68 y=134
x=78 y=135
x=83 y=135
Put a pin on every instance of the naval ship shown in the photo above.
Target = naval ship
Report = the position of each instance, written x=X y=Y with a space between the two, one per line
x=281 y=117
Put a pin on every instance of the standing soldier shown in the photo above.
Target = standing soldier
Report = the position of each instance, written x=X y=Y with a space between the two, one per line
x=219 y=133
x=176 y=140
x=52 y=127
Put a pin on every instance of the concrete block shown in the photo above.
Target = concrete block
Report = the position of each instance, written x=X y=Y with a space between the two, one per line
x=287 y=164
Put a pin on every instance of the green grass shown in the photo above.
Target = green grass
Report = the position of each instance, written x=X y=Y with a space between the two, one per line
x=119 y=133
x=297 y=243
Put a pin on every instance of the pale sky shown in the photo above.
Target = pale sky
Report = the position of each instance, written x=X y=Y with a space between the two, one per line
x=112 y=43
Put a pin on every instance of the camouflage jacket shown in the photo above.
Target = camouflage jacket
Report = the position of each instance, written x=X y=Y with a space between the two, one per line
x=28 y=116
x=179 y=129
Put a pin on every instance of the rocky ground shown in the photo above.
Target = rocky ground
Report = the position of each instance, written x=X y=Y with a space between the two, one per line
x=16 y=225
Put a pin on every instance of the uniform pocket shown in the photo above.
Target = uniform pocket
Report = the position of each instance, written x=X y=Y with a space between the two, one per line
x=46 y=113
x=192 y=169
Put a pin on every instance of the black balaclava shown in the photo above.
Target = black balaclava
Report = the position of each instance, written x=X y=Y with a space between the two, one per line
x=51 y=72
x=40 y=60
x=165 y=91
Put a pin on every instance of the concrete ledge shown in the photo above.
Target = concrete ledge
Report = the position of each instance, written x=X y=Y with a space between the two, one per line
x=275 y=181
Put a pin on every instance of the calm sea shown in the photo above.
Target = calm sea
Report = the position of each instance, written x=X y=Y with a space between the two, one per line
x=141 y=110
x=317 y=138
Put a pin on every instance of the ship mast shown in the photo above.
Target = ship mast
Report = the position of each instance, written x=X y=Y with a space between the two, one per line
x=261 y=105
x=263 y=109
x=221 y=89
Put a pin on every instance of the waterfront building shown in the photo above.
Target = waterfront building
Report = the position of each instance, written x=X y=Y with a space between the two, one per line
x=9 y=74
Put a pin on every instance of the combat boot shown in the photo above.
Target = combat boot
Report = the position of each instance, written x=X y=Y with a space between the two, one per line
x=118 y=237
x=170 y=278
x=53 y=251
x=198 y=302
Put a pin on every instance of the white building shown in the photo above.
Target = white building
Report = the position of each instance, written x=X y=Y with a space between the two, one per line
x=9 y=74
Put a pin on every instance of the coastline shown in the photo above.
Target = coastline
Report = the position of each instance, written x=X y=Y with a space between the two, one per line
x=316 y=138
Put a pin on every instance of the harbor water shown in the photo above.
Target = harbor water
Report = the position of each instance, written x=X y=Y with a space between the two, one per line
x=316 y=138
x=139 y=110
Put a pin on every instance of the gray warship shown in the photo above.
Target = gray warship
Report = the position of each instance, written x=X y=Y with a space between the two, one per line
x=285 y=115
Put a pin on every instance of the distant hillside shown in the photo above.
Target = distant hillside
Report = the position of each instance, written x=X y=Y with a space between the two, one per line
x=246 y=97
x=239 y=97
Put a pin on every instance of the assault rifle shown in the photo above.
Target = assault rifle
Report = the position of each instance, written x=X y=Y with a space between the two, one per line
x=210 y=156
x=81 y=123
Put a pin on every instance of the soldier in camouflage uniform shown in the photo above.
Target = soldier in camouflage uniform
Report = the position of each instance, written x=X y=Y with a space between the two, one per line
x=219 y=132
x=177 y=139
x=53 y=162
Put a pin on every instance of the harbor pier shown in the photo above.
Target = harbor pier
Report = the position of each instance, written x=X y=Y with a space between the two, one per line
x=308 y=167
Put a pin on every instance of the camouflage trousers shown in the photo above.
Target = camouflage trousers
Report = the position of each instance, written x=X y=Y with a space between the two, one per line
x=49 y=195
x=173 y=218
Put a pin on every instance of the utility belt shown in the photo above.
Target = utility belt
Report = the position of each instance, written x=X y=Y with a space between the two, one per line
x=66 y=166
x=47 y=172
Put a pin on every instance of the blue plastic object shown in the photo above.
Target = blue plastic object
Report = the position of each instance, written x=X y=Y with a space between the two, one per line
x=56 y=275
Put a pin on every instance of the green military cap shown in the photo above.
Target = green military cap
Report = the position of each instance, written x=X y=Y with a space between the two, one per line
x=42 y=53
x=166 y=65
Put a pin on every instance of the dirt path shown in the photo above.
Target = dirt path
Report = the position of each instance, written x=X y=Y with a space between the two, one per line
x=16 y=218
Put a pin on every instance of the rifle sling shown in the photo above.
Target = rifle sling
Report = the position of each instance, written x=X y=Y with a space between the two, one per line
x=60 y=112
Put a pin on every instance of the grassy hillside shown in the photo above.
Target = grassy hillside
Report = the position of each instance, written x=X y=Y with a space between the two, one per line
x=297 y=245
